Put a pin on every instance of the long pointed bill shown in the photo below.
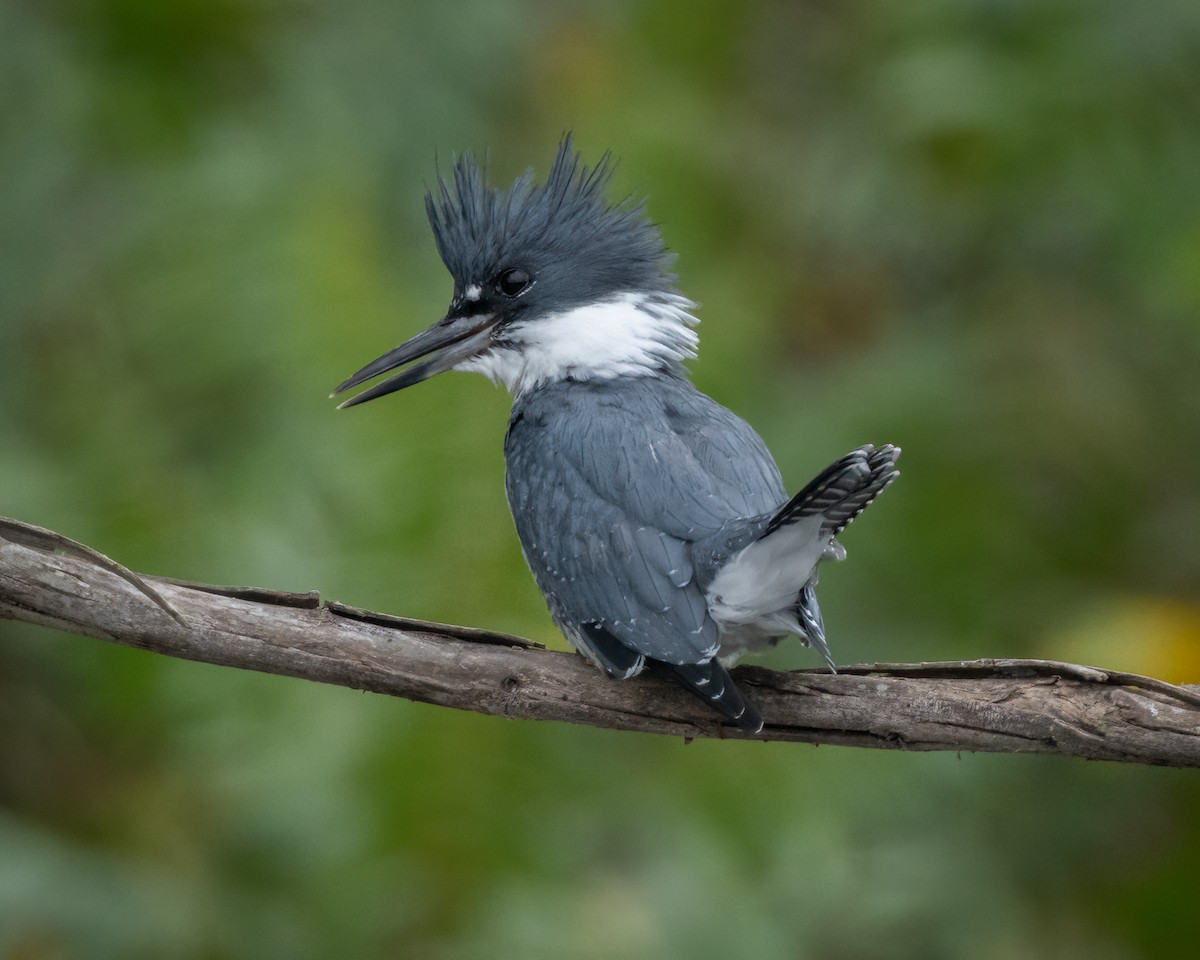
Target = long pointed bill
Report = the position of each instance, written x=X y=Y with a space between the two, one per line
x=450 y=341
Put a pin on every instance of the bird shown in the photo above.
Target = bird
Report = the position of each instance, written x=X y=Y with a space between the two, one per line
x=654 y=520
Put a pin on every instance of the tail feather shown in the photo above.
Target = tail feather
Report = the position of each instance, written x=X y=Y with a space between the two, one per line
x=712 y=683
x=841 y=491
x=812 y=624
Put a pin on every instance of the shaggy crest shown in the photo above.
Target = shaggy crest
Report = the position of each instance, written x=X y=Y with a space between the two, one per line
x=565 y=222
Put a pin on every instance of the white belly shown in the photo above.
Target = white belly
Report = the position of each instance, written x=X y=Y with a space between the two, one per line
x=753 y=597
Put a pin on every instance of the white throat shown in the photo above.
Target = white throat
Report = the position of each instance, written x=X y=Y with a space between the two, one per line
x=628 y=335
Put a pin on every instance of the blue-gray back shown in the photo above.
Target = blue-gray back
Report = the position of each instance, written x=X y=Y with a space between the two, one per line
x=611 y=484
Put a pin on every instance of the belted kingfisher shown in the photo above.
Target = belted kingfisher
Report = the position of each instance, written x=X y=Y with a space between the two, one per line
x=654 y=520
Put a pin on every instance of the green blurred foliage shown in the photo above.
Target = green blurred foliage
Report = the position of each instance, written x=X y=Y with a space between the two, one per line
x=971 y=228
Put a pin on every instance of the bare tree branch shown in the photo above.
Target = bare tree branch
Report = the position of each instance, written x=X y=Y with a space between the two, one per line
x=1007 y=706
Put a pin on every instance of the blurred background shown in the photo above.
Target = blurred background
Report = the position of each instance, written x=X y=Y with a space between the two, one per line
x=969 y=228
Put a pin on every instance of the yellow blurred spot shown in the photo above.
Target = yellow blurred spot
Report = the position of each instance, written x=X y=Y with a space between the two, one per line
x=1152 y=636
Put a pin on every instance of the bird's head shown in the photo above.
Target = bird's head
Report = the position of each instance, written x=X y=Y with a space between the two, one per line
x=551 y=282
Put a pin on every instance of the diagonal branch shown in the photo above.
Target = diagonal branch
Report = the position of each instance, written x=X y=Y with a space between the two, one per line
x=1006 y=706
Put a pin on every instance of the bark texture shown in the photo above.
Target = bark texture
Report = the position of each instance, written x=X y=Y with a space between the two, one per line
x=1005 y=706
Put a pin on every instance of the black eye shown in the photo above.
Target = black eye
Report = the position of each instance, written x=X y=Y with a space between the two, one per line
x=512 y=283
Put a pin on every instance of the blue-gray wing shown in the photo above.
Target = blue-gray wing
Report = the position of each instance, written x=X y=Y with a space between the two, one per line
x=610 y=484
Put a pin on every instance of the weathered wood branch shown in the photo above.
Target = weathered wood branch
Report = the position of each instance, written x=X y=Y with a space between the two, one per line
x=1008 y=706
